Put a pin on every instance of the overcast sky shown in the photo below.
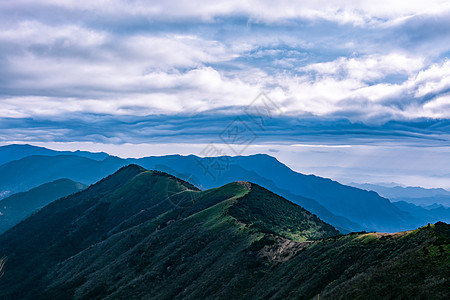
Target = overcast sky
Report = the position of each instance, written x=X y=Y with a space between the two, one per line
x=339 y=73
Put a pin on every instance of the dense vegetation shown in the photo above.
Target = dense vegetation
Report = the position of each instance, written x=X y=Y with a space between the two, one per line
x=347 y=208
x=147 y=235
x=270 y=213
x=17 y=207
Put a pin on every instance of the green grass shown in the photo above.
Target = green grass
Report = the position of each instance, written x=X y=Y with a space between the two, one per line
x=270 y=213
x=147 y=235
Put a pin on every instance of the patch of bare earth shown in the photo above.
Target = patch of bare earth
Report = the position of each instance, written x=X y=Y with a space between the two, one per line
x=282 y=250
x=392 y=235
x=246 y=184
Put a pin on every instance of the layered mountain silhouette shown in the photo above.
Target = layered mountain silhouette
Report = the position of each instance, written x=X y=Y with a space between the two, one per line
x=433 y=213
x=347 y=208
x=32 y=171
x=141 y=234
x=425 y=205
x=19 y=206
x=17 y=151
x=415 y=195
x=366 y=210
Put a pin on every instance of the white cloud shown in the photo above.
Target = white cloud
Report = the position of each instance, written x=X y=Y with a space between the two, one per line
x=367 y=68
x=33 y=33
x=433 y=80
x=125 y=88
x=341 y=11
x=73 y=60
x=438 y=107
x=50 y=68
x=194 y=91
x=155 y=51
x=175 y=50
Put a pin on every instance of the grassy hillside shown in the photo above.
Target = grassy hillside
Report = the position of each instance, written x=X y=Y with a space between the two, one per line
x=147 y=235
x=415 y=265
x=19 y=206
x=347 y=208
x=271 y=214
x=406 y=265
x=137 y=204
x=344 y=206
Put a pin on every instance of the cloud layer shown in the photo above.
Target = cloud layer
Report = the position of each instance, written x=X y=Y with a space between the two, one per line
x=65 y=65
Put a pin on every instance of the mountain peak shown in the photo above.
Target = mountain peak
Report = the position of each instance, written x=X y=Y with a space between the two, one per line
x=126 y=172
x=271 y=213
x=147 y=233
x=246 y=184
x=132 y=168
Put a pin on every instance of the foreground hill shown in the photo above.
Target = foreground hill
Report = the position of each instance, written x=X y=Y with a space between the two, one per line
x=366 y=209
x=148 y=235
x=347 y=208
x=29 y=172
x=19 y=206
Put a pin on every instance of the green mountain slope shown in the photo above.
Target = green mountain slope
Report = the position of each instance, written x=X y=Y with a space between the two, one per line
x=141 y=234
x=326 y=198
x=406 y=265
x=347 y=208
x=136 y=202
x=19 y=206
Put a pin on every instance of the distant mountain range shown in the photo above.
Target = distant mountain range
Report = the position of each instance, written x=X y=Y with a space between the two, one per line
x=14 y=152
x=17 y=207
x=429 y=214
x=427 y=205
x=141 y=234
x=415 y=194
x=32 y=171
x=367 y=209
x=347 y=208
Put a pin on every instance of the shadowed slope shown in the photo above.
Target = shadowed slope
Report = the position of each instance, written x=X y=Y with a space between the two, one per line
x=128 y=207
x=19 y=206
x=141 y=234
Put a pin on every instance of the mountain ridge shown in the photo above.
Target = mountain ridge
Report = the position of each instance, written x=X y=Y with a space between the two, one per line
x=348 y=208
x=18 y=151
x=146 y=234
x=128 y=199
x=403 y=191
x=18 y=206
